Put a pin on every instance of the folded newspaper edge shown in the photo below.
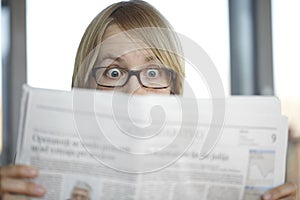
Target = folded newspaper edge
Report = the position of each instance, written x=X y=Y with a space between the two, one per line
x=148 y=147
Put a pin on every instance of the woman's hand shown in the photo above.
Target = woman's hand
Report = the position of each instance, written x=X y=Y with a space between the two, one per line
x=13 y=183
x=286 y=191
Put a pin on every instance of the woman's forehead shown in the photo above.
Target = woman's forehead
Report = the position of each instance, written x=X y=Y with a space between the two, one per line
x=121 y=48
x=141 y=55
x=114 y=37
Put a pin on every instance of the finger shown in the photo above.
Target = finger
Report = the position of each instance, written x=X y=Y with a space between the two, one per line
x=288 y=198
x=288 y=190
x=16 y=186
x=18 y=171
x=13 y=197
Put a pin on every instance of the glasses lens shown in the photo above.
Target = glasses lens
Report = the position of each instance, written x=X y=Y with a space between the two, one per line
x=155 y=77
x=110 y=76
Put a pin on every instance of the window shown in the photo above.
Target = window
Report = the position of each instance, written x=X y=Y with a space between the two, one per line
x=286 y=43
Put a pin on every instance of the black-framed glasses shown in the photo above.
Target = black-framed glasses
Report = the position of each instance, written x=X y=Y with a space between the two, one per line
x=152 y=76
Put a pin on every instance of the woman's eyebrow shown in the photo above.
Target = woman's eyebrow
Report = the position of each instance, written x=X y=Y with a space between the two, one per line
x=109 y=56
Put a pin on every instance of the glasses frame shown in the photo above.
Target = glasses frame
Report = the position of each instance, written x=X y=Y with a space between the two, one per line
x=135 y=73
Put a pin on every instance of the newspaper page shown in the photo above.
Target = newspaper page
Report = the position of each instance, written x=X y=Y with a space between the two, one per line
x=107 y=145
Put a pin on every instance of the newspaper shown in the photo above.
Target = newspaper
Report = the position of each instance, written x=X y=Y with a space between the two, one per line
x=117 y=146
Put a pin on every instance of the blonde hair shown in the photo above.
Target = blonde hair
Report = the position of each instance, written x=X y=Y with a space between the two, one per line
x=130 y=15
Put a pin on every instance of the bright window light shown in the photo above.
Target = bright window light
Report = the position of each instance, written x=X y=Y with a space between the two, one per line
x=286 y=43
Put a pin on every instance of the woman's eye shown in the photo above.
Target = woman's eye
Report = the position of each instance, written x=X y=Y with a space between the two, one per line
x=152 y=73
x=114 y=73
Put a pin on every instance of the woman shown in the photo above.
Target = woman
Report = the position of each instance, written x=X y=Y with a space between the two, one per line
x=127 y=63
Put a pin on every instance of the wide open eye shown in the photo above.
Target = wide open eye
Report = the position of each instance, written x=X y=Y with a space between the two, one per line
x=152 y=73
x=114 y=73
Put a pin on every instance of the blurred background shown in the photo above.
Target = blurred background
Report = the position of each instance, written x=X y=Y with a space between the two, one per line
x=254 y=44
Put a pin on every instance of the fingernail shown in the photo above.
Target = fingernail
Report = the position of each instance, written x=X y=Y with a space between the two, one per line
x=32 y=171
x=39 y=190
x=267 y=196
